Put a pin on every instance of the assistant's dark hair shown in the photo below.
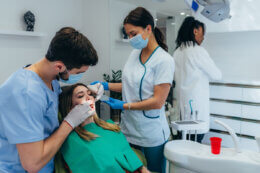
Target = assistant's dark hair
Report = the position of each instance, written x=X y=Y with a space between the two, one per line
x=142 y=17
x=186 y=31
x=72 y=48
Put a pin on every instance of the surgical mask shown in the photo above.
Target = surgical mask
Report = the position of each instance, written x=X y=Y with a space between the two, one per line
x=73 y=78
x=138 y=42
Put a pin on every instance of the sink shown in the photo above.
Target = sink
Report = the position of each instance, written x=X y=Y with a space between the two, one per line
x=198 y=158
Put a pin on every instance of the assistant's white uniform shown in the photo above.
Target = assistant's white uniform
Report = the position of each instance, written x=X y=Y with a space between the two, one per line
x=145 y=128
x=194 y=69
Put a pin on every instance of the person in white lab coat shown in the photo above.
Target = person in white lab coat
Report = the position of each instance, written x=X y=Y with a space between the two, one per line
x=194 y=70
x=147 y=77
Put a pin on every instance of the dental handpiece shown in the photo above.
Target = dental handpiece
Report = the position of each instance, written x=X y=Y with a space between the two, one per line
x=196 y=118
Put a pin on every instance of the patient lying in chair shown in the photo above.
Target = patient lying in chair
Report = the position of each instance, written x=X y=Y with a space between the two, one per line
x=96 y=146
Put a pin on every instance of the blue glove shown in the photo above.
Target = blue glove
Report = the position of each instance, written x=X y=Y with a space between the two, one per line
x=115 y=103
x=105 y=84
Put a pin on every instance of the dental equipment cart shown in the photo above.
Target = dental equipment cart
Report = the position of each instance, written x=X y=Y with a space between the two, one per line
x=188 y=125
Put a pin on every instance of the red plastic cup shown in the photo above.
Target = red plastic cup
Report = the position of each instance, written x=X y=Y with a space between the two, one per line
x=215 y=144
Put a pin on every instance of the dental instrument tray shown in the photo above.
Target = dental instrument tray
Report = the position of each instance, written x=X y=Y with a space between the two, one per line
x=188 y=125
x=186 y=122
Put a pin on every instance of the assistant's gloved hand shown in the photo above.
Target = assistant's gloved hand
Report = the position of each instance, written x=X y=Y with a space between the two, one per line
x=97 y=89
x=115 y=103
x=78 y=114
x=105 y=84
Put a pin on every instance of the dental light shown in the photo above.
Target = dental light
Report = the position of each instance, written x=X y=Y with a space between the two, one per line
x=214 y=10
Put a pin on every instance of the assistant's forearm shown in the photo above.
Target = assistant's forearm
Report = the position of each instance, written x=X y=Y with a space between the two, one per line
x=155 y=102
x=148 y=104
x=117 y=87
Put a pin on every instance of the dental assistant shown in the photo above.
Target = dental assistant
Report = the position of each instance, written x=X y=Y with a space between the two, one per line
x=146 y=81
x=194 y=69
x=30 y=134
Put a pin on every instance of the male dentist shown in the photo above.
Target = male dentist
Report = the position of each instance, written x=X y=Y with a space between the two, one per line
x=30 y=134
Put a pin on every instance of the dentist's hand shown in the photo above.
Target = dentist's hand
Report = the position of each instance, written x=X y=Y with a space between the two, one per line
x=105 y=84
x=98 y=89
x=115 y=103
x=78 y=114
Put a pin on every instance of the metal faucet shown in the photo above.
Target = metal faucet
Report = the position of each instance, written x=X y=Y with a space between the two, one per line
x=233 y=135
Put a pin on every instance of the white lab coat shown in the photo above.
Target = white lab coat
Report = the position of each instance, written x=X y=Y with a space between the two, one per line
x=145 y=128
x=194 y=69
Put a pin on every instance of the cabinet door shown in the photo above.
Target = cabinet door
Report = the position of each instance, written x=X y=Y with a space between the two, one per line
x=250 y=128
x=251 y=112
x=227 y=93
x=251 y=95
x=227 y=109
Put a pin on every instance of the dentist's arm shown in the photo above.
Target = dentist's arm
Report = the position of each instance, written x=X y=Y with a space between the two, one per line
x=36 y=155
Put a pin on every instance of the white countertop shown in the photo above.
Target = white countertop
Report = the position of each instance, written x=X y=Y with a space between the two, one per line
x=242 y=81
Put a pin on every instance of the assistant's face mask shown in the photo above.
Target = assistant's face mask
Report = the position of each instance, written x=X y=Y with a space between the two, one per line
x=73 y=78
x=138 y=42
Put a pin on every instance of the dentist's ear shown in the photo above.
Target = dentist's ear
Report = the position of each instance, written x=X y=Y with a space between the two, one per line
x=59 y=66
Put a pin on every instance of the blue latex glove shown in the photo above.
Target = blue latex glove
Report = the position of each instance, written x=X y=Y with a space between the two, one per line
x=115 y=103
x=105 y=84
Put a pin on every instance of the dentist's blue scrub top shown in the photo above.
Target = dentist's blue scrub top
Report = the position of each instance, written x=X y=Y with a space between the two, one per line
x=28 y=113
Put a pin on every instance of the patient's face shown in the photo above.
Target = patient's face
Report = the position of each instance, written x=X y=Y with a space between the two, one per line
x=82 y=95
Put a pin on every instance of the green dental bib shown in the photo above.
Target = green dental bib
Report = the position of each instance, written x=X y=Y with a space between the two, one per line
x=110 y=152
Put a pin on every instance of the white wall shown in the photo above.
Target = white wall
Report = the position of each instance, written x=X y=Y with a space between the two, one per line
x=99 y=20
x=96 y=26
x=236 y=54
x=119 y=50
x=17 y=51
x=171 y=35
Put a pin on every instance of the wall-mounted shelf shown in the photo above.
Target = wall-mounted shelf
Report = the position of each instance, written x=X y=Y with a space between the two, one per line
x=232 y=31
x=22 y=33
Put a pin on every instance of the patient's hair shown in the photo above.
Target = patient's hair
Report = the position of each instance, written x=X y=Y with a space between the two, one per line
x=65 y=105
